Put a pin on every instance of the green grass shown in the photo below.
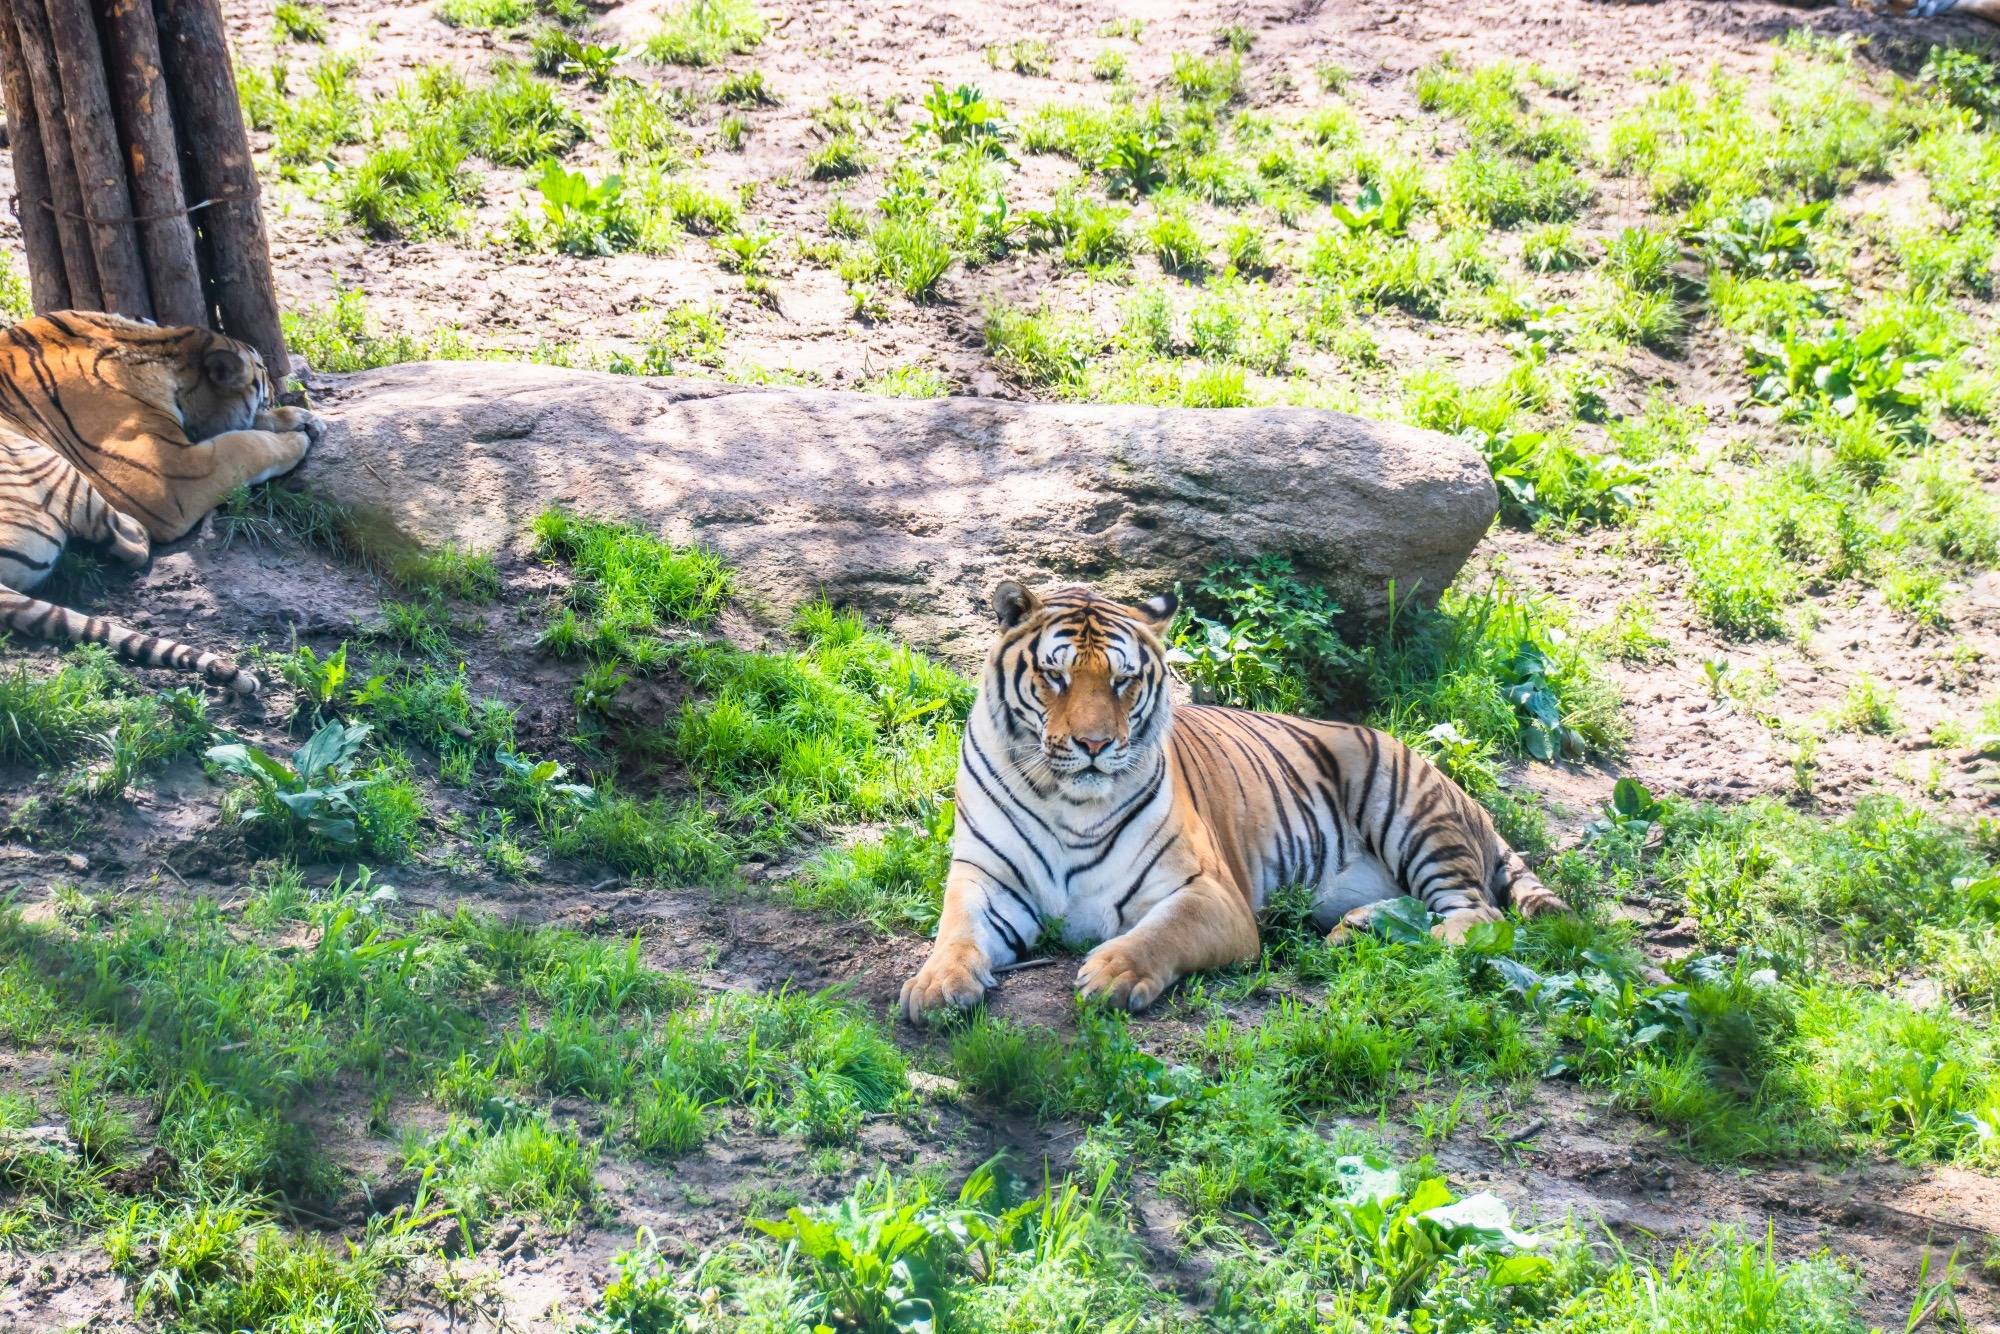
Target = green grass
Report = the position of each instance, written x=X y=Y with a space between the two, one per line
x=449 y=572
x=90 y=722
x=337 y=336
x=628 y=585
x=307 y=125
x=298 y=23
x=237 y=1038
x=908 y=381
x=416 y=189
x=677 y=336
x=1492 y=103
x=485 y=15
x=849 y=726
x=705 y=32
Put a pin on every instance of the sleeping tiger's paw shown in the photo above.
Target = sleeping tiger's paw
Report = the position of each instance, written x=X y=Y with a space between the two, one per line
x=955 y=977
x=129 y=544
x=1455 y=924
x=293 y=419
x=1120 y=973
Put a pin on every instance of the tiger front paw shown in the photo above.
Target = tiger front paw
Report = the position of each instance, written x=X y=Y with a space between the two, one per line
x=1452 y=930
x=309 y=424
x=955 y=977
x=1119 y=972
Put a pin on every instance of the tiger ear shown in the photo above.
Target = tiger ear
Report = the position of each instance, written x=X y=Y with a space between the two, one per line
x=226 y=367
x=1158 y=610
x=1013 y=603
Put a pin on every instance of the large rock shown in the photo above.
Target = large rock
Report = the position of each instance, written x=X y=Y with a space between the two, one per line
x=909 y=510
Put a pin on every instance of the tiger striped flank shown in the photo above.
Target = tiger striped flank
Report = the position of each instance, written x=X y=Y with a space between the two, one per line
x=1158 y=833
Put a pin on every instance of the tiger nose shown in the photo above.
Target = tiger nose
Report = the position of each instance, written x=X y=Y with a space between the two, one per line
x=1093 y=746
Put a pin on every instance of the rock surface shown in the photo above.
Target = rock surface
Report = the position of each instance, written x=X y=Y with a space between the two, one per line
x=909 y=510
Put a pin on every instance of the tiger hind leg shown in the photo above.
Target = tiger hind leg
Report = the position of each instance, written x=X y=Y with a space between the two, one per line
x=1521 y=889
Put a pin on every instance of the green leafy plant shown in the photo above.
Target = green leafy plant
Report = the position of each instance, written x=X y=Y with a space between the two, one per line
x=1544 y=734
x=965 y=121
x=1256 y=636
x=1632 y=812
x=562 y=53
x=1758 y=238
x=1385 y=205
x=581 y=217
x=1879 y=367
x=314 y=789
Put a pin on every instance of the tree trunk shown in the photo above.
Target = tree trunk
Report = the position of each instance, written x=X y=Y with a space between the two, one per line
x=194 y=54
x=100 y=169
x=31 y=25
x=146 y=125
x=33 y=202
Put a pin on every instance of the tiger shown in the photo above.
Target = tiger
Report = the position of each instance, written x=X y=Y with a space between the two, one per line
x=121 y=434
x=1085 y=796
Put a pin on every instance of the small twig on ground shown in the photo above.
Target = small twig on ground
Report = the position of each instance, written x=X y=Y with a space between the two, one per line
x=1530 y=1130
x=603 y=885
x=1019 y=964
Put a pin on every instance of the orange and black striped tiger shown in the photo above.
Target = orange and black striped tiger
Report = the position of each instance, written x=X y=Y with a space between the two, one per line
x=1084 y=795
x=121 y=434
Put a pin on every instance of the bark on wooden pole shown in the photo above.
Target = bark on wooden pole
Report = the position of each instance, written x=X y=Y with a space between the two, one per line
x=33 y=203
x=100 y=168
x=194 y=54
x=152 y=159
x=31 y=26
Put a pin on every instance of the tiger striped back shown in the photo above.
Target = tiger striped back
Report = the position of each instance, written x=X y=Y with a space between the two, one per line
x=1086 y=797
x=119 y=434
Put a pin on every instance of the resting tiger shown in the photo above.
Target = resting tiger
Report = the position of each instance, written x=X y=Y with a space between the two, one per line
x=1084 y=795
x=122 y=434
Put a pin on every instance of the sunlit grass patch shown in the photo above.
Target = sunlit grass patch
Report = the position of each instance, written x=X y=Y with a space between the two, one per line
x=1492 y=103
x=306 y=125
x=338 y=336
x=91 y=721
x=631 y=584
x=848 y=726
x=705 y=32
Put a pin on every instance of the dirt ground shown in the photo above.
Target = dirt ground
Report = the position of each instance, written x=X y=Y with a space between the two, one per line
x=1563 y=1155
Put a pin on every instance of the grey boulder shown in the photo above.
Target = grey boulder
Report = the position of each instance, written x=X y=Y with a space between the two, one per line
x=908 y=510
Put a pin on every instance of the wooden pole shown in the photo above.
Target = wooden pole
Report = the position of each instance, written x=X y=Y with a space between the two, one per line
x=31 y=26
x=194 y=54
x=33 y=203
x=100 y=169
x=146 y=126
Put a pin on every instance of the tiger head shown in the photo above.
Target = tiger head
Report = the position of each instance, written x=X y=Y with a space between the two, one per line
x=1081 y=683
x=215 y=383
x=223 y=388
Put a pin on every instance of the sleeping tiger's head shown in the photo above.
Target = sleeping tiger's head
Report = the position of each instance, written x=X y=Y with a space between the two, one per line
x=1080 y=681
x=214 y=382
x=229 y=390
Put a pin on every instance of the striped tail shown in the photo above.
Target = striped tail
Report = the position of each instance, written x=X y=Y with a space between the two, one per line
x=45 y=620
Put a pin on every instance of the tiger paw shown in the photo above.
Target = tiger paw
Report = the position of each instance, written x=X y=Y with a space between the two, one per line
x=1119 y=972
x=311 y=424
x=129 y=544
x=955 y=977
x=1453 y=928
